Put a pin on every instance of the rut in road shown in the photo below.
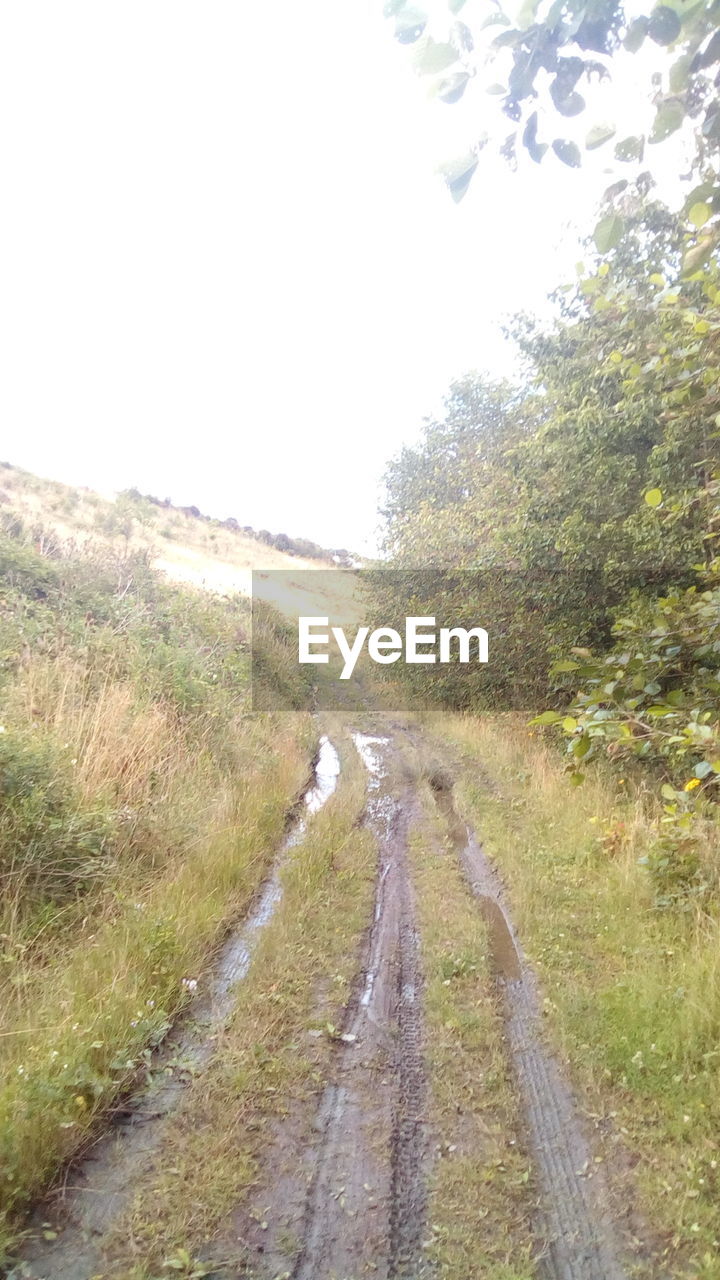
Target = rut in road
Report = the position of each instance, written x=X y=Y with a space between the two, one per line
x=98 y=1187
x=363 y=1210
x=577 y=1237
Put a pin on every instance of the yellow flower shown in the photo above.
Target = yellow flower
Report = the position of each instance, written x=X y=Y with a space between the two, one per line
x=692 y=784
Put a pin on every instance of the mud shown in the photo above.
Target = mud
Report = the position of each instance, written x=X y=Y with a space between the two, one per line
x=352 y=1196
x=97 y=1188
x=577 y=1238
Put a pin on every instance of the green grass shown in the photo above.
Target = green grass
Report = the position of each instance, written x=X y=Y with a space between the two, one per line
x=267 y=1066
x=632 y=993
x=140 y=805
x=481 y=1191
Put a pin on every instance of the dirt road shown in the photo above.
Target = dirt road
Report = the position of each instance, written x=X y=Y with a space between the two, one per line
x=352 y=1201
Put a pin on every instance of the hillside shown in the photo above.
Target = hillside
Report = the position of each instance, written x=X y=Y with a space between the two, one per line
x=180 y=542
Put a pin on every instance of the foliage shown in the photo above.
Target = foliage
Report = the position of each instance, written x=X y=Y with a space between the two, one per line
x=592 y=494
x=51 y=847
x=546 y=59
x=581 y=487
x=140 y=806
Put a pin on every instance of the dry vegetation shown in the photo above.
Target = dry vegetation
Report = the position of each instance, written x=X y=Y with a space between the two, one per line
x=141 y=804
x=187 y=549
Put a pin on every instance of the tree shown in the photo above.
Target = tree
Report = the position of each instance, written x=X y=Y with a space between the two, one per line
x=546 y=60
x=553 y=487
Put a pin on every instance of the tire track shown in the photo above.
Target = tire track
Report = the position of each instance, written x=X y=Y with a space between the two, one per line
x=579 y=1240
x=371 y=1118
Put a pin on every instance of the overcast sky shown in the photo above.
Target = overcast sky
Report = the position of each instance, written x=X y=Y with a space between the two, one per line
x=230 y=274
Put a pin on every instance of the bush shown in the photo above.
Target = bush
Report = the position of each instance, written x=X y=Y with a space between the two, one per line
x=50 y=849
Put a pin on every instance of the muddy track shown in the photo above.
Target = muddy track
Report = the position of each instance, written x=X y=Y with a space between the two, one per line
x=577 y=1237
x=365 y=1207
x=98 y=1187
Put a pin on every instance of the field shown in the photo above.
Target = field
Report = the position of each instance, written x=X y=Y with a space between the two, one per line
x=352 y=993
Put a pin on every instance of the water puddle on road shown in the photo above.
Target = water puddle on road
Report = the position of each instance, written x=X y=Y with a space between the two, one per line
x=372 y=1149
x=441 y=787
x=234 y=960
x=503 y=952
x=502 y=948
x=366 y=745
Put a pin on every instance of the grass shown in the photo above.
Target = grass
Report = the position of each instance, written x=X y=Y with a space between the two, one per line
x=140 y=805
x=481 y=1189
x=632 y=993
x=189 y=550
x=81 y=1023
x=267 y=1066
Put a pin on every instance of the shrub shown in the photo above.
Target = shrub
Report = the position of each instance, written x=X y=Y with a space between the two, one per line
x=50 y=849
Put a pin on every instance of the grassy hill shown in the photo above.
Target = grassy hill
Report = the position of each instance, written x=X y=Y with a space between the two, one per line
x=186 y=546
x=141 y=798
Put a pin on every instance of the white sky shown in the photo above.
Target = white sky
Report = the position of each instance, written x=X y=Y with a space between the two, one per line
x=229 y=273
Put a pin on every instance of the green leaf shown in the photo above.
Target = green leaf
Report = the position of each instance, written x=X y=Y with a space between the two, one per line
x=526 y=15
x=599 y=135
x=536 y=150
x=664 y=25
x=453 y=87
x=629 y=149
x=409 y=25
x=698 y=254
x=458 y=175
x=668 y=792
x=569 y=724
x=679 y=73
x=546 y=717
x=699 y=214
x=577 y=779
x=670 y=116
x=702 y=769
x=568 y=152
x=608 y=232
x=432 y=57
x=567 y=665
x=654 y=497
x=711 y=53
x=636 y=34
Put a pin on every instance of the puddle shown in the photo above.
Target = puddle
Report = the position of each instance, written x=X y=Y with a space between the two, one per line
x=373 y=1139
x=234 y=960
x=366 y=745
x=504 y=954
x=104 y=1180
x=457 y=829
x=326 y=774
x=502 y=948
